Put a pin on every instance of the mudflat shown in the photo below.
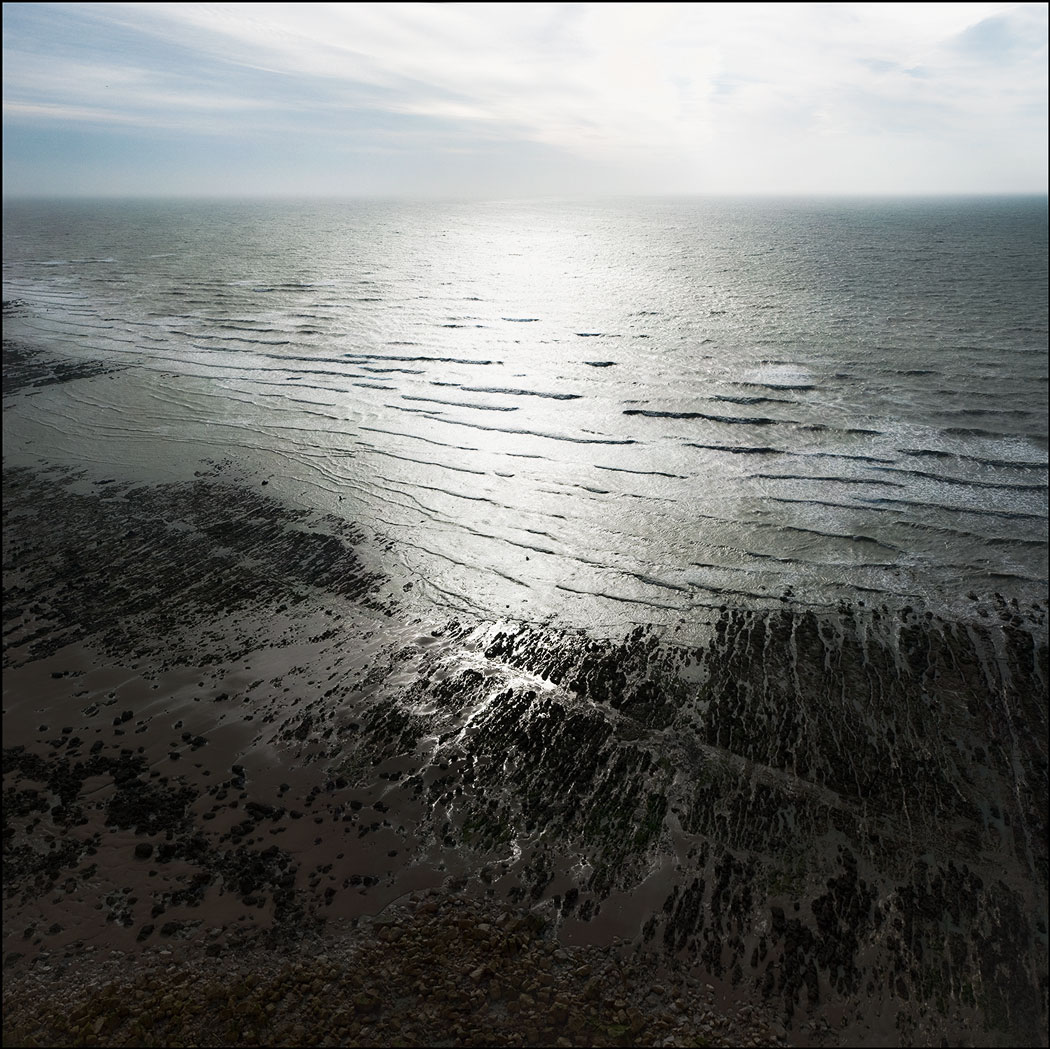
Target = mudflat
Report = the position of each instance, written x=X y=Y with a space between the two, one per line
x=249 y=798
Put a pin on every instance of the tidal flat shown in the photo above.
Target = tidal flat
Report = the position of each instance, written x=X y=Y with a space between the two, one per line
x=250 y=796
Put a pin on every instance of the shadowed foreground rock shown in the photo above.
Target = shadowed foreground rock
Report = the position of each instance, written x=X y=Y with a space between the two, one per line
x=438 y=969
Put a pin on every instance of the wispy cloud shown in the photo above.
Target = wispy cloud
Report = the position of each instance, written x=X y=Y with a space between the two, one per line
x=657 y=96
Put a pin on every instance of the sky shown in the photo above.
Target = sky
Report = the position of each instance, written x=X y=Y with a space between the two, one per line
x=495 y=100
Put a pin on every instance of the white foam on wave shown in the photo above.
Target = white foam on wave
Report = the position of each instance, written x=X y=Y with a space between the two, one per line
x=785 y=375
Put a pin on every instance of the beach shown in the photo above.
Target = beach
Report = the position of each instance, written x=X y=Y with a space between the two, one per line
x=231 y=754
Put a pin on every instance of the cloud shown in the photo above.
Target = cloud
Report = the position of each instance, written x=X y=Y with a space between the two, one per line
x=662 y=96
x=1006 y=38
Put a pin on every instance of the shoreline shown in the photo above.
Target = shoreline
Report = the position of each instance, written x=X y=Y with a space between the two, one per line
x=221 y=720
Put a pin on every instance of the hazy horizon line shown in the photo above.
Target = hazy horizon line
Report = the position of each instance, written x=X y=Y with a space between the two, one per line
x=501 y=198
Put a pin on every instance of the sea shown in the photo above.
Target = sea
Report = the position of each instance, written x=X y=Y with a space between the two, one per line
x=593 y=413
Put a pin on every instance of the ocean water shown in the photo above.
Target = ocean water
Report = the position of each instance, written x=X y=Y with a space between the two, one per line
x=600 y=414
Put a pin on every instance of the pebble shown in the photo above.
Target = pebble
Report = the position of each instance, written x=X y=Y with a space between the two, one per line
x=363 y=990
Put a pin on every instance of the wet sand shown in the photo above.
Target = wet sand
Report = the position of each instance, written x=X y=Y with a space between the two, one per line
x=229 y=747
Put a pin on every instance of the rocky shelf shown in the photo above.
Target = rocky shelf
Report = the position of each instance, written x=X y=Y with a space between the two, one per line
x=236 y=758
